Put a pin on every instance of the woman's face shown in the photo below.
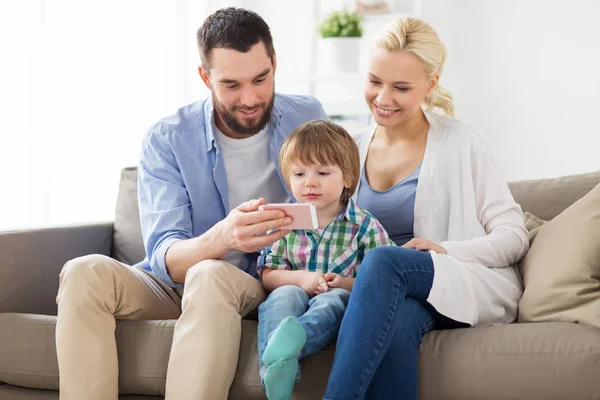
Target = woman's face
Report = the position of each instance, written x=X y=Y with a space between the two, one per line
x=396 y=86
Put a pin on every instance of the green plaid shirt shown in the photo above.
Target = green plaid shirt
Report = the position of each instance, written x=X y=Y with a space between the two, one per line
x=339 y=249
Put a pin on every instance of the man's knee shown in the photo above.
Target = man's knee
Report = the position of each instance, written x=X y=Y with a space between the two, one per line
x=208 y=270
x=83 y=268
x=81 y=277
x=216 y=277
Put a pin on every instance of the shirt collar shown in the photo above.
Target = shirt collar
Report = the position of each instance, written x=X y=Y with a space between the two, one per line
x=350 y=213
x=209 y=121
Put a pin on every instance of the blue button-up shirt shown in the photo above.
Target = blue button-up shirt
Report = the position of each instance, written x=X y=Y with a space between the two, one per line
x=182 y=185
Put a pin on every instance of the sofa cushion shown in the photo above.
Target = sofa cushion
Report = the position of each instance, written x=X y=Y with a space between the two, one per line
x=561 y=271
x=128 y=246
x=546 y=198
x=9 y=392
x=548 y=361
x=532 y=224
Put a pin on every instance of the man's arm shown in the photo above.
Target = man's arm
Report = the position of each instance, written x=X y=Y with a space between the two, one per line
x=242 y=230
x=167 y=222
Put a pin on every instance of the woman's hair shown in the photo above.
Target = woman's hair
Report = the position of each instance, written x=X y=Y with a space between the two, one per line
x=413 y=35
x=325 y=143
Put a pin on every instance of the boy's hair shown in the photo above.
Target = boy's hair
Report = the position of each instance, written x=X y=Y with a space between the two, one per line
x=325 y=143
x=233 y=28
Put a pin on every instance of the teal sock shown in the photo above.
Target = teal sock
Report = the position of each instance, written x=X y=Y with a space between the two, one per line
x=285 y=342
x=280 y=378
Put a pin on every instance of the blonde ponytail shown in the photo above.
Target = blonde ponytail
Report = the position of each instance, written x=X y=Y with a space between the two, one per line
x=440 y=98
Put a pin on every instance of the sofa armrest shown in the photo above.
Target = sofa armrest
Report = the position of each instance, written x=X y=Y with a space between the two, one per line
x=30 y=261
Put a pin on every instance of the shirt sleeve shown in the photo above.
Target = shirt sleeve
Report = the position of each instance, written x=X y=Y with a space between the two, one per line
x=314 y=109
x=375 y=236
x=322 y=114
x=274 y=257
x=163 y=201
x=506 y=240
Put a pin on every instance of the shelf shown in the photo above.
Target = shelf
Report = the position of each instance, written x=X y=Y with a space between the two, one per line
x=347 y=108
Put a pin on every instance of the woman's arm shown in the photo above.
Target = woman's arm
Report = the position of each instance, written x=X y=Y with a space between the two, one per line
x=506 y=240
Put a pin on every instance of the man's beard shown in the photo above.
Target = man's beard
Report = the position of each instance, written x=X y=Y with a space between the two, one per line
x=252 y=127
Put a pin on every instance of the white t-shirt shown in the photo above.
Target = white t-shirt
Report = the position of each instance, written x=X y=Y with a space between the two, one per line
x=251 y=173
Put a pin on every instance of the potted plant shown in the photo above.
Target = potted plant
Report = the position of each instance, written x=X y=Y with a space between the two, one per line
x=341 y=33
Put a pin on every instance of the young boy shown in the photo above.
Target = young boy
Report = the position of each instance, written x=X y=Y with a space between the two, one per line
x=310 y=273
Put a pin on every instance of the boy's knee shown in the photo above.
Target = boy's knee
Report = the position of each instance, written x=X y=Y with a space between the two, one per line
x=336 y=297
x=288 y=292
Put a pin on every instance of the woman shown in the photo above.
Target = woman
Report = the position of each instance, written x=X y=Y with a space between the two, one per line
x=432 y=185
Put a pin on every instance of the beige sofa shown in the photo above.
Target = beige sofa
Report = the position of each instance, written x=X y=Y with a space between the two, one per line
x=545 y=361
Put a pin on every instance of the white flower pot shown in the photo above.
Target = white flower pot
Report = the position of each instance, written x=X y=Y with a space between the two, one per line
x=339 y=56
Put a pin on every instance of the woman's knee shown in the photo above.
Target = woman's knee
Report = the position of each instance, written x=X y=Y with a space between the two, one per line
x=384 y=257
x=379 y=260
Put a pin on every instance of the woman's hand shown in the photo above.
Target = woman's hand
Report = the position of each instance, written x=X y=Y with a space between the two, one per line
x=313 y=283
x=336 y=280
x=425 y=245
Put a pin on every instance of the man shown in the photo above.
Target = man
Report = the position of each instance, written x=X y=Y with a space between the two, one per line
x=198 y=171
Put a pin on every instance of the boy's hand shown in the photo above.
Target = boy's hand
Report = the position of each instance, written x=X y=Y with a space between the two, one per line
x=313 y=283
x=335 y=280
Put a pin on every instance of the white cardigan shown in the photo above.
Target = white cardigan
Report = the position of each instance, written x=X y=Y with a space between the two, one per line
x=463 y=203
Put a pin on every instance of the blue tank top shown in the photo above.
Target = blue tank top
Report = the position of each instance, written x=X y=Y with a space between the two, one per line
x=394 y=208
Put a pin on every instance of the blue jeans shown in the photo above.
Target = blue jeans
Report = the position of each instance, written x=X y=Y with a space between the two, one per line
x=320 y=316
x=378 y=345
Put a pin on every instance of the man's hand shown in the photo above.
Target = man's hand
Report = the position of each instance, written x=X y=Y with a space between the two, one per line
x=425 y=245
x=245 y=227
x=336 y=280
x=313 y=283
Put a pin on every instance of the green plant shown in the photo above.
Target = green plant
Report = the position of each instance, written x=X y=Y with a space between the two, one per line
x=341 y=24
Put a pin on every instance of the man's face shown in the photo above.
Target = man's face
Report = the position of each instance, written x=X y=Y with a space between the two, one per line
x=242 y=86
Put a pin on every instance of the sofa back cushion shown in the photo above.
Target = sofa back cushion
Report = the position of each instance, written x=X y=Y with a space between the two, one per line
x=127 y=235
x=545 y=198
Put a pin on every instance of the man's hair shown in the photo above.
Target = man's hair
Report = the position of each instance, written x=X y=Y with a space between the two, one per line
x=325 y=143
x=233 y=28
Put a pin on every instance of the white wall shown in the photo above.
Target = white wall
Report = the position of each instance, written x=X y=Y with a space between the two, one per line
x=522 y=72
x=525 y=74
x=80 y=83
x=77 y=94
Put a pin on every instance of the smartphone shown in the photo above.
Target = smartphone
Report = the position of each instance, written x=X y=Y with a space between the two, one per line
x=304 y=215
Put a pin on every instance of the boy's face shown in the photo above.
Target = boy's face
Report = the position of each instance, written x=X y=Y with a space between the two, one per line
x=321 y=185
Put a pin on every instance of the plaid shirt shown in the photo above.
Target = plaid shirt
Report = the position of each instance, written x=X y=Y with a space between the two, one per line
x=340 y=248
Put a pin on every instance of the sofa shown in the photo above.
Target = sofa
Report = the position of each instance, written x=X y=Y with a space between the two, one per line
x=534 y=361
